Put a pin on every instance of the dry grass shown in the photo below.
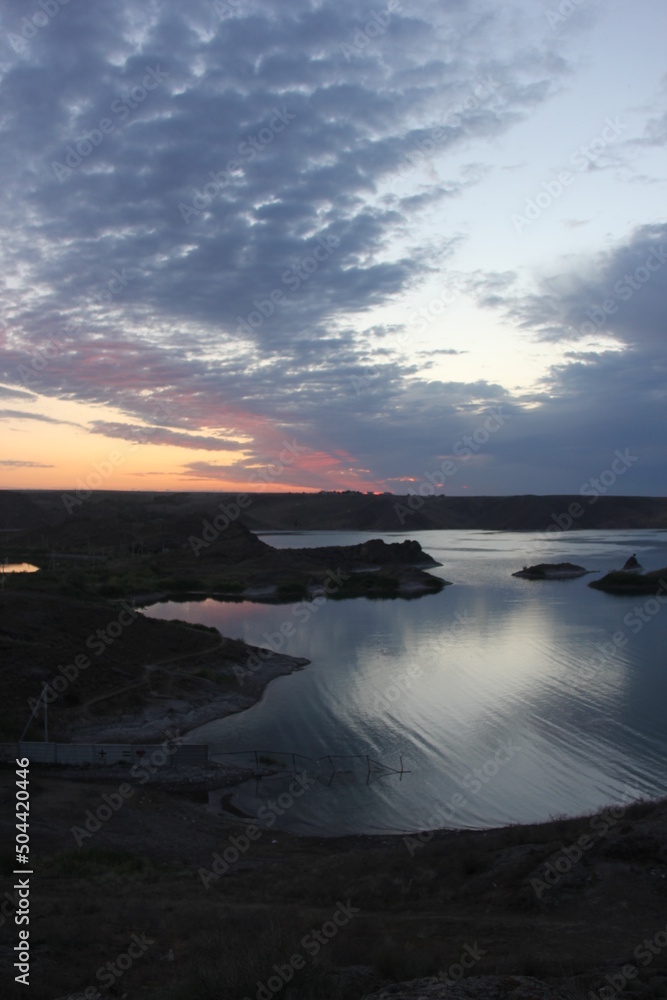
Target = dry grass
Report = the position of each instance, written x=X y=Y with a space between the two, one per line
x=139 y=874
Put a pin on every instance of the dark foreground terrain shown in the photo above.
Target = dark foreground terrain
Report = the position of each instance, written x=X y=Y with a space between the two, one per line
x=508 y=903
x=139 y=891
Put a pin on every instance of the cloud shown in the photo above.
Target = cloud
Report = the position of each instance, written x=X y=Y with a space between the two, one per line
x=442 y=350
x=246 y=318
x=620 y=293
x=162 y=435
x=9 y=463
x=345 y=127
x=24 y=415
x=609 y=391
x=7 y=393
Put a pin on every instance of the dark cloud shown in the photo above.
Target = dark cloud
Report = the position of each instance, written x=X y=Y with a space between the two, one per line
x=27 y=415
x=200 y=211
x=7 y=393
x=162 y=435
x=621 y=294
x=612 y=393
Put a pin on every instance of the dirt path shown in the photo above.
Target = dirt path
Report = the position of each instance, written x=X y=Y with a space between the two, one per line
x=147 y=668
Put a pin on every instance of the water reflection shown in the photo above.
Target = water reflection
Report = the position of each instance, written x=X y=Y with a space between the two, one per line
x=455 y=680
x=19 y=568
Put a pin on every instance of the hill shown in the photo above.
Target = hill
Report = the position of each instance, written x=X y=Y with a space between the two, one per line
x=166 y=516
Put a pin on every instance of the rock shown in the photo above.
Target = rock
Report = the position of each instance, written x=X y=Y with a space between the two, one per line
x=552 y=571
x=623 y=581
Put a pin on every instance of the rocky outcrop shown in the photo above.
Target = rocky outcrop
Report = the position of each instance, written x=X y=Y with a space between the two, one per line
x=633 y=582
x=552 y=571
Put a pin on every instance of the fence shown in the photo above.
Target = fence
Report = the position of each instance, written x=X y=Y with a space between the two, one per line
x=188 y=754
x=287 y=761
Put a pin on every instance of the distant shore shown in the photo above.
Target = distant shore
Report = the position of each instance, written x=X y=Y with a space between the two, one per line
x=354 y=511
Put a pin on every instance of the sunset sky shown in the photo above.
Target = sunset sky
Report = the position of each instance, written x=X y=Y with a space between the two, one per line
x=389 y=235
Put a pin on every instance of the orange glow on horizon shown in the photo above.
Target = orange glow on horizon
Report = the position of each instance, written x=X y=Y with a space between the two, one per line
x=51 y=445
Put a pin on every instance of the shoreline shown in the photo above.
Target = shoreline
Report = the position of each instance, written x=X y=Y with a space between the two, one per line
x=188 y=781
x=154 y=720
x=520 y=891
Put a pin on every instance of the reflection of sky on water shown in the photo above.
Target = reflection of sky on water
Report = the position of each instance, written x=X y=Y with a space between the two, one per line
x=493 y=659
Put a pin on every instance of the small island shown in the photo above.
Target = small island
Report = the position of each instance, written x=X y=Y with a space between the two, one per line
x=622 y=581
x=552 y=571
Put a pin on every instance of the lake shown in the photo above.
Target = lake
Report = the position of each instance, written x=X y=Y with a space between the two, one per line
x=19 y=568
x=508 y=700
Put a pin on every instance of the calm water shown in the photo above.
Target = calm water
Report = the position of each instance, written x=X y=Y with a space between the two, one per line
x=18 y=568
x=508 y=700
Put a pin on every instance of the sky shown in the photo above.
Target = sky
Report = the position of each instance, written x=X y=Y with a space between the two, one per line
x=334 y=244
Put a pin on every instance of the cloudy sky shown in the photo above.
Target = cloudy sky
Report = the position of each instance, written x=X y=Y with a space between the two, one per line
x=400 y=238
